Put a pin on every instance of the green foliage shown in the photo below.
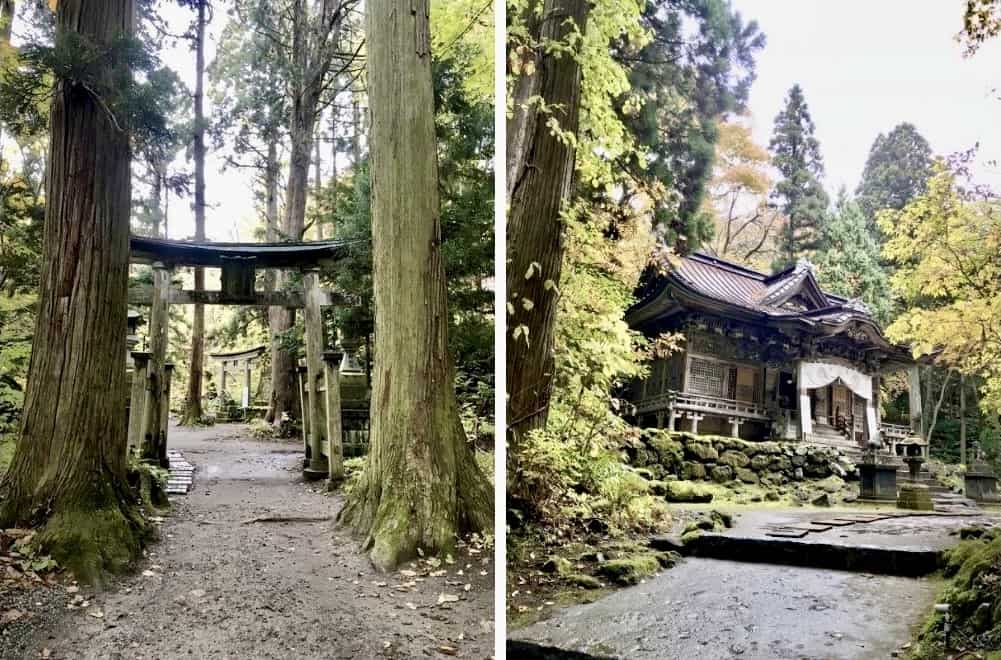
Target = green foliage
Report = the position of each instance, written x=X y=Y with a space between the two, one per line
x=896 y=170
x=946 y=244
x=848 y=263
x=796 y=156
x=696 y=68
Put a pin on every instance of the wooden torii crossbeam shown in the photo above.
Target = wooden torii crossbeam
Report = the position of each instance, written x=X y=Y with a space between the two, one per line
x=239 y=263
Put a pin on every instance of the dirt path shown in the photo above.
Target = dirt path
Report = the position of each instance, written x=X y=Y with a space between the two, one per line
x=216 y=588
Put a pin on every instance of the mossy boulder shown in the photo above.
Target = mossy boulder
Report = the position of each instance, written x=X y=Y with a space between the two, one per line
x=721 y=473
x=734 y=459
x=701 y=451
x=584 y=581
x=687 y=491
x=669 y=451
x=782 y=463
x=630 y=570
x=747 y=476
x=557 y=565
x=831 y=484
x=693 y=471
x=760 y=462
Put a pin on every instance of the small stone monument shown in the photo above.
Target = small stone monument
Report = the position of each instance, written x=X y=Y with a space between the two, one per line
x=912 y=494
x=979 y=482
x=877 y=477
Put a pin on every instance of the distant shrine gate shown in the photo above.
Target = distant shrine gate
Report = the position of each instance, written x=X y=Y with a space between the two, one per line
x=319 y=379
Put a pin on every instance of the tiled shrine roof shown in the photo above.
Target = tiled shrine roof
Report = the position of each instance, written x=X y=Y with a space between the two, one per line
x=791 y=298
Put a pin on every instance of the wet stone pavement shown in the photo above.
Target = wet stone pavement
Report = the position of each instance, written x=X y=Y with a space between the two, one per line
x=720 y=609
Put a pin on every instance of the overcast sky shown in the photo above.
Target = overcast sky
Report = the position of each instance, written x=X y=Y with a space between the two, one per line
x=866 y=66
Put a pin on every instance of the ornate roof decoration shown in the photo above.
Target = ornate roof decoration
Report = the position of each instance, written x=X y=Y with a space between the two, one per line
x=790 y=299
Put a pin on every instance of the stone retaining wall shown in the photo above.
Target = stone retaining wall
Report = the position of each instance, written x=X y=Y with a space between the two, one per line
x=688 y=457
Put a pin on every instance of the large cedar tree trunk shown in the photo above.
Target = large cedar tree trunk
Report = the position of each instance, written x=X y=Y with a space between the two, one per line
x=540 y=186
x=68 y=474
x=193 y=413
x=421 y=485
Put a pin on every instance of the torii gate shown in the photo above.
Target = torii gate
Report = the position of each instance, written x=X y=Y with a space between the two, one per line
x=239 y=263
x=239 y=361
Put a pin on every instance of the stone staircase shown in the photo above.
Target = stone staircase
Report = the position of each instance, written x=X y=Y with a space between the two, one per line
x=825 y=434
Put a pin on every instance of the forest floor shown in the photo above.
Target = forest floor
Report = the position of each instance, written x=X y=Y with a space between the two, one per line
x=219 y=586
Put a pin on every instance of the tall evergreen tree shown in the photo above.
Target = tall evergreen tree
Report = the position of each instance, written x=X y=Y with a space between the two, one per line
x=700 y=64
x=421 y=485
x=193 y=400
x=68 y=472
x=848 y=263
x=896 y=170
x=796 y=155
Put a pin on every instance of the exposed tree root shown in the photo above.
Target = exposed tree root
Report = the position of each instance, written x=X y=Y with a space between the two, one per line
x=288 y=519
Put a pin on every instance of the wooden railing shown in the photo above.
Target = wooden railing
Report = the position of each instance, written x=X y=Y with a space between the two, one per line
x=700 y=403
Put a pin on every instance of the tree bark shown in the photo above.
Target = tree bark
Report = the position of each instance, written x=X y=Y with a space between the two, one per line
x=938 y=406
x=68 y=471
x=541 y=187
x=312 y=62
x=962 y=419
x=421 y=485
x=7 y=9
x=193 y=413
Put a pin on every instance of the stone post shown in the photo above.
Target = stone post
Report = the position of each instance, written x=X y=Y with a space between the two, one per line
x=672 y=420
x=914 y=398
x=155 y=371
x=300 y=372
x=735 y=423
x=695 y=422
x=335 y=440
x=168 y=372
x=246 y=384
x=137 y=399
x=221 y=394
x=318 y=466
x=805 y=422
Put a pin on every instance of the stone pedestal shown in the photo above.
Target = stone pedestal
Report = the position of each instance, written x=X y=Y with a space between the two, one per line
x=981 y=486
x=878 y=482
x=914 y=496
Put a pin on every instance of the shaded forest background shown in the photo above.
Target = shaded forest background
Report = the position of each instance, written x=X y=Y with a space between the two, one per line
x=278 y=81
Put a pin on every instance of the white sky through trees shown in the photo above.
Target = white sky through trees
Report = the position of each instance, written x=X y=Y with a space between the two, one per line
x=866 y=66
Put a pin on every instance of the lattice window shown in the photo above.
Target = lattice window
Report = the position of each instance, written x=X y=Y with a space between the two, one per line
x=707 y=377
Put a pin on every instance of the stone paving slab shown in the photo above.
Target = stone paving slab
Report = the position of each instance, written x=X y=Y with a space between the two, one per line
x=708 y=609
x=895 y=543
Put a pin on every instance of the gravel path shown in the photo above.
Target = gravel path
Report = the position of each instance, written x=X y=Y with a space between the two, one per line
x=216 y=588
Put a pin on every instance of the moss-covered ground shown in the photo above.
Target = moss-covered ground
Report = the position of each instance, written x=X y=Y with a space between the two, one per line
x=973 y=591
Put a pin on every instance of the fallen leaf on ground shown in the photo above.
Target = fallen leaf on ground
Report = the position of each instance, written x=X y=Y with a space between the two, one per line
x=96 y=613
x=447 y=598
x=448 y=650
x=10 y=615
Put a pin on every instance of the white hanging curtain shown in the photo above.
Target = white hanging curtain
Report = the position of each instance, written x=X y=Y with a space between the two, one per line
x=821 y=374
x=814 y=375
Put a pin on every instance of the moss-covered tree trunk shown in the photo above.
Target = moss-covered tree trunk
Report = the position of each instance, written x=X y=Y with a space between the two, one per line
x=68 y=475
x=542 y=175
x=193 y=413
x=421 y=485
